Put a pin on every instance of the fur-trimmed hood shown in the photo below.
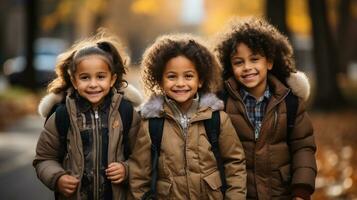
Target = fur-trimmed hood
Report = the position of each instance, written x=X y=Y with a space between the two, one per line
x=47 y=102
x=299 y=85
x=154 y=107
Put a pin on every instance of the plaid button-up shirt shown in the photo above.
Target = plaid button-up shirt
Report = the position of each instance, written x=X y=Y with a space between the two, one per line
x=255 y=108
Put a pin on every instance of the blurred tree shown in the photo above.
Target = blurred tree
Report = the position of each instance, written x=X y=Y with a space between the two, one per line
x=328 y=94
x=344 y=21
x=31 y=27
x=276 y=14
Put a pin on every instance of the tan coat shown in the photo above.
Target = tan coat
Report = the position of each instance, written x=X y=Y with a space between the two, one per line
x=272 y=165
x=187 y=166
x=46 y=163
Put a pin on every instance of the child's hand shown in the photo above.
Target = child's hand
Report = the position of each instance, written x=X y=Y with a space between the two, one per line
x=115 y=172
x=67 y=185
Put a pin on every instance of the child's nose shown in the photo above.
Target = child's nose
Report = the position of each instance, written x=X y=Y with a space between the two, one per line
x=180 y=82
x=247 y=66
x=93 y=83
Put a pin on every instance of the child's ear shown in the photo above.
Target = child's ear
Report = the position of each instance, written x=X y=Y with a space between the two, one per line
x=200 y=84
x=270 y=65
x=73 y=81
x=114 y=78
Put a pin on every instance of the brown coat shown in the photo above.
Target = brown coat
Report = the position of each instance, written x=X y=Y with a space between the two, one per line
x=273 y=166
x=187 y=166
x=46 y=163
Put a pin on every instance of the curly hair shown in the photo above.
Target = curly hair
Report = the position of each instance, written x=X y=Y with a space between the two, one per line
x=262 y=38
x=167 y=47
x=102 y=44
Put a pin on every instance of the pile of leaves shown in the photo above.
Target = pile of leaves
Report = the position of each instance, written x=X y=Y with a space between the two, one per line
x=336 y=139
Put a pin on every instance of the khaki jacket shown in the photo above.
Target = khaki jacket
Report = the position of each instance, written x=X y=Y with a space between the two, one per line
x=274 y=166
x=46 y=163
x=187 y=166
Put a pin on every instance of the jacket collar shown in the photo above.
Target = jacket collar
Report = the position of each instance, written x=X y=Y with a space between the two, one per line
x=84 y=105
x=156 y=107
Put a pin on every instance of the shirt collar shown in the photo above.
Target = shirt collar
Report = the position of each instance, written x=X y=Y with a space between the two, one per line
x=176 y=110
x=245 y=94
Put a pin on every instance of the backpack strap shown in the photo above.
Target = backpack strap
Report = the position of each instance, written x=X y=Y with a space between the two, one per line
x=212 y=127
x=292 y=103
x=156 y=126
x=223 y=95
x=62 y=125
x=126 y=115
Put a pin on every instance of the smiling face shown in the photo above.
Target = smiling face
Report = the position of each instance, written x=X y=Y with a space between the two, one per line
x=93 y=79
x=180 y=81
x=250 y=69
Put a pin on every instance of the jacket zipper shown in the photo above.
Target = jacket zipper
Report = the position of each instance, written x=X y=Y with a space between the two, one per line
x=97 y=154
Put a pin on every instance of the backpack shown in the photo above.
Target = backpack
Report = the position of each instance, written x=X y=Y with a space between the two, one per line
x=62 y=124
x=156 y=125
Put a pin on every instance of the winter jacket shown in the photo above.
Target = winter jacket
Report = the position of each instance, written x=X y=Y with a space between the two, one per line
x=276 y=162
x=187 y=167
x=47 y=164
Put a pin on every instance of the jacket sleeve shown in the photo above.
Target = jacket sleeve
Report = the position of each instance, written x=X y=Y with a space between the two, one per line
x=303 y=148
x=140 y=164
x=233 y=158
x=46 y=161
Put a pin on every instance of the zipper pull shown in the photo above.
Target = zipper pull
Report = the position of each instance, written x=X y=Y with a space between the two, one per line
x=96 y=116
x=256 y=134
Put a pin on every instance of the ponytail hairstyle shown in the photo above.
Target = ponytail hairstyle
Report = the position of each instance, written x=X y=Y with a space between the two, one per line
x=102 y=44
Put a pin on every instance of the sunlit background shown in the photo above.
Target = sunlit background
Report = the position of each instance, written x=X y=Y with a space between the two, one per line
x=323 y=34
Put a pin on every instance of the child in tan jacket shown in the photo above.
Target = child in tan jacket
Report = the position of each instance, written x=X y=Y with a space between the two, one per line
x=181 y=75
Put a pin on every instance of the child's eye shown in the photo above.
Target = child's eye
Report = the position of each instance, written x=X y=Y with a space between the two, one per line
x=84 y=77
x=101 y=77
x=255 y=59
x=237 y=62
x=189 y=76
x=171 y=77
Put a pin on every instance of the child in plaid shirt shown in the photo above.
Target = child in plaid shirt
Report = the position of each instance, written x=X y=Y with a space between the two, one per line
x=259 y=73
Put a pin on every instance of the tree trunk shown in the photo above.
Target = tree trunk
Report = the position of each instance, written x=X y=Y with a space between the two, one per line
x=327 y=94
x=276 y=14
x=31 y=27
x=342 y=34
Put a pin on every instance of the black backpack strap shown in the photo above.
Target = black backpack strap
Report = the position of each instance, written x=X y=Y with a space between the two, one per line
x=126 y=115
x=213 y=130
x=223 y=95
x=156 y=126
x=62 y=125
x=292 y=103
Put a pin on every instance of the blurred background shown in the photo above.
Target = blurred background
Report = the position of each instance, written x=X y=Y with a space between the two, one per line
x=34 y=32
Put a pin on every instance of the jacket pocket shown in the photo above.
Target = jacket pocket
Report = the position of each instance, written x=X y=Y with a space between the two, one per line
x=213 y=186
x=163 y=189
x=285 y=173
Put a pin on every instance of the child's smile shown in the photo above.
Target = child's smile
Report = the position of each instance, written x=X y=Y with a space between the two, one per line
x=180 y=81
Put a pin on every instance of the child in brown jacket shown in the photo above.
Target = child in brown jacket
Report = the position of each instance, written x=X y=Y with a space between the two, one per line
x=87 y=159
x=259 y=75
x=181 y=74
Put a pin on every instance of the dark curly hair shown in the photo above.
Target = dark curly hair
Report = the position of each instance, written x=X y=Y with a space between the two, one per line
x=169 y=46
x=262 y=38
x=103 y=44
